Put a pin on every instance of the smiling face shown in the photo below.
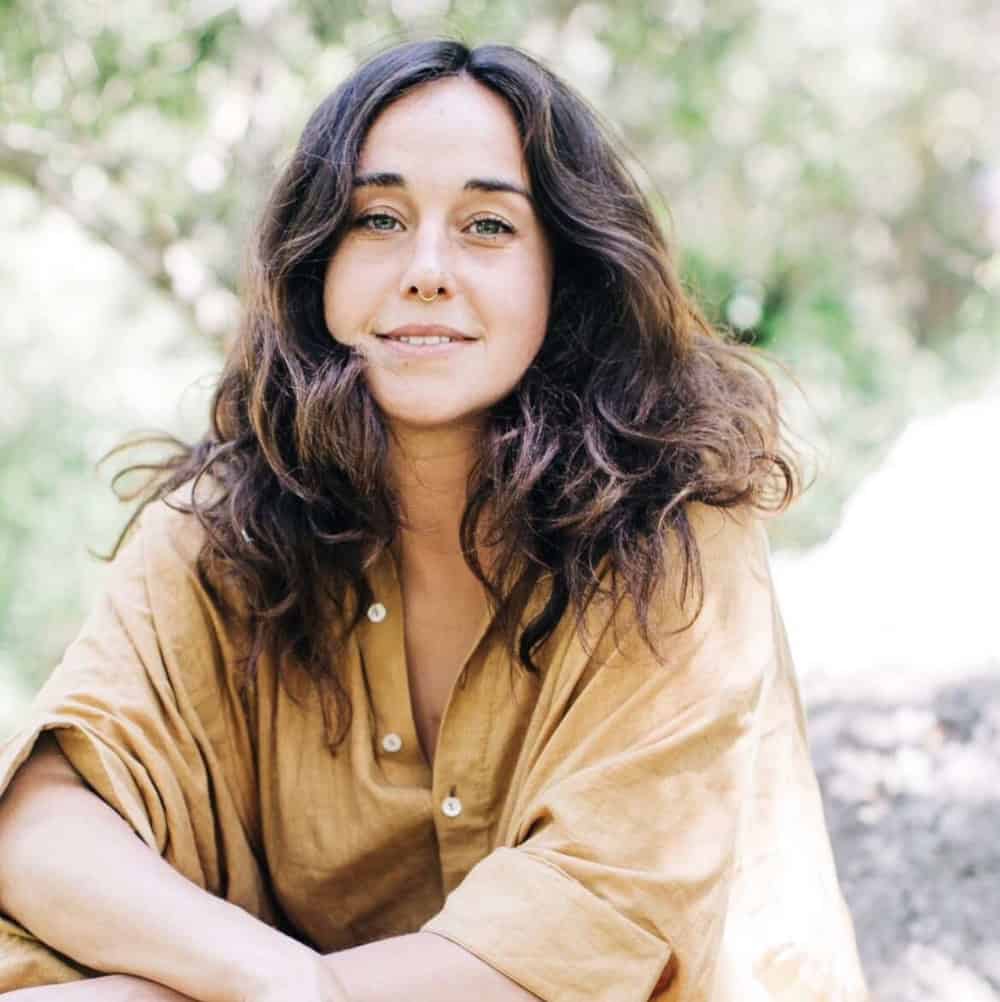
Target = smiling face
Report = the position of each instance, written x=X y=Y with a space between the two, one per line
x=442 y=232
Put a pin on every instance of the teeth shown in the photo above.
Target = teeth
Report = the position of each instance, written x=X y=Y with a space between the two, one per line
x=426 y=340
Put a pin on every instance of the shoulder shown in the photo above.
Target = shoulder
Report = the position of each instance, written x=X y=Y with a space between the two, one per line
x=160 y=557
x=168 y=532
x=735 y=534
x=157 y=591
x=159 y=548
x=715 y=555
x=714 y=565
x=731 y=549
x=717 y=632
x=703 y=659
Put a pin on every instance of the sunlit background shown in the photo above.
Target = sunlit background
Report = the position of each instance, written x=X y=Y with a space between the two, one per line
x=829 y=174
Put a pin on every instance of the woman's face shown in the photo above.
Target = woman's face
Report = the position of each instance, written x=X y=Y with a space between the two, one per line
x=436 y=240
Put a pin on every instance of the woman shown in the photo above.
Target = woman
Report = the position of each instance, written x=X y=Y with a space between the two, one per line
x=447 y=664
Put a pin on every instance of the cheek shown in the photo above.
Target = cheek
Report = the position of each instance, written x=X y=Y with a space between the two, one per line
x=520 y=300
x=535 y=310
x=341 y=302
x=518 y=339
x=331 y=304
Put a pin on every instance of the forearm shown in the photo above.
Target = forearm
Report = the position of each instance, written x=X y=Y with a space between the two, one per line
x=425 y=967
x=108 y=988
x=421 y=967
x=111 y=903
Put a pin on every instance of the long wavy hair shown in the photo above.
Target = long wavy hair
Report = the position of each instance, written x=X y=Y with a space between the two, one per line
x=633 y=408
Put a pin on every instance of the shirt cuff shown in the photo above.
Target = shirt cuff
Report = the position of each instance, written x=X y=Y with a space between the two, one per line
x=524 y=917
x=98 y=765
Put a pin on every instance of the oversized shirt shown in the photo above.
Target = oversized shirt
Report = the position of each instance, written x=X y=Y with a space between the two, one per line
x=584 y=831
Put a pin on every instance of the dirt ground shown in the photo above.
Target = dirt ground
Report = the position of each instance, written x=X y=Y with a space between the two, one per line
x=910 y=770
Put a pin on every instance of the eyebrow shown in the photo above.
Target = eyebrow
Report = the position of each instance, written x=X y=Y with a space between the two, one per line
x=389 y=179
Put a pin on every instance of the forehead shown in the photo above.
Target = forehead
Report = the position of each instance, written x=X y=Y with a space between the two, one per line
x=445 y=128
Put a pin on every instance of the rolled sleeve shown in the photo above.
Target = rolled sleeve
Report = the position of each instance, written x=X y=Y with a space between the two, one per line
x=125 y=710
x=541 y=928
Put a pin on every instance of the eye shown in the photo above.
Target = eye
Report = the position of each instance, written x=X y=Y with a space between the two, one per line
x=492 y=221
x=362 y=222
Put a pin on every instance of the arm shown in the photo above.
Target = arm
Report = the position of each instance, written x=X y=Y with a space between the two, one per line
x=153 y=921
x=421 y=967
x=109 y=988
x=425 y=967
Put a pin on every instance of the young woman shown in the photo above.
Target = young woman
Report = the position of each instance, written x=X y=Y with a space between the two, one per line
x=447 y=664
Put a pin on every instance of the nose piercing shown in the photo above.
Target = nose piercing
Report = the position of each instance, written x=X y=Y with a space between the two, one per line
x=424 y=299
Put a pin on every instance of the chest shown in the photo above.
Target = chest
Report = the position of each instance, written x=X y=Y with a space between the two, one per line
x=441 y=629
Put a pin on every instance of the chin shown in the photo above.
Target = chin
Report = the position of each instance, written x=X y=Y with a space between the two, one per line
x=434 y=419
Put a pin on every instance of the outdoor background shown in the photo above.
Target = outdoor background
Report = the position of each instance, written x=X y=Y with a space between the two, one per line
x=830 y=177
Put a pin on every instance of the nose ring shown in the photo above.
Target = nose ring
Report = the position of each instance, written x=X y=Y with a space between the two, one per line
x=424 y=299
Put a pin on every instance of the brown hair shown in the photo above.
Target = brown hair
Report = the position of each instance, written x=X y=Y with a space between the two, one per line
x=633 y=407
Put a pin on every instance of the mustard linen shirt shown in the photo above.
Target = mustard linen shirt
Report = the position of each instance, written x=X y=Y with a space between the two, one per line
x=579 y=832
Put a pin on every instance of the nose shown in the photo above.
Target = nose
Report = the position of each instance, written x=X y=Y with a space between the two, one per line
x=427 y=274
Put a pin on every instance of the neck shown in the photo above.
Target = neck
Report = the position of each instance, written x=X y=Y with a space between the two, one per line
x=430 y=470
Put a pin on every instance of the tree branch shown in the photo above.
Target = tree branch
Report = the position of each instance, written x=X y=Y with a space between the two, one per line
x=25 y=154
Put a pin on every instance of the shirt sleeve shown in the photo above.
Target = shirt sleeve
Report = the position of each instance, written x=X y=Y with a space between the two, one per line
x=615 y=873
x=143 y=708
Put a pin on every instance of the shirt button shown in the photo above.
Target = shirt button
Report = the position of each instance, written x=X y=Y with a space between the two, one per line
x=392 y=742
x=376 y=612
x=451 y=806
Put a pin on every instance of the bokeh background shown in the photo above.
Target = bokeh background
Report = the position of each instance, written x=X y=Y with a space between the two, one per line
x=829 y=174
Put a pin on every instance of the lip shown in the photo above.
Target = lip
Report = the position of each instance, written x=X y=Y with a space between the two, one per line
x=404 y=350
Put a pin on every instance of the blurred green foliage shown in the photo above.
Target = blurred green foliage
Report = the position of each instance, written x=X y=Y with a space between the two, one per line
x=829 y=175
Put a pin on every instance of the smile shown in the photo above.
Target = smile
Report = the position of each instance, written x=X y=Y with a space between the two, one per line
x=418 y=340
x=428 y=347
